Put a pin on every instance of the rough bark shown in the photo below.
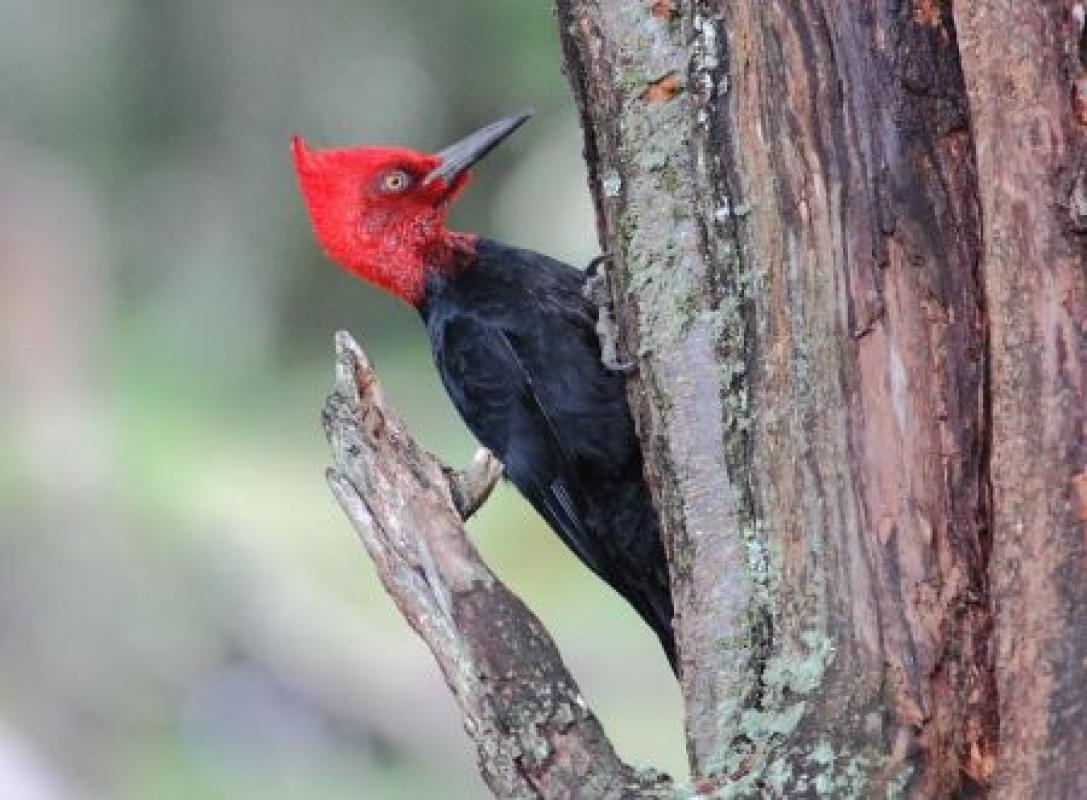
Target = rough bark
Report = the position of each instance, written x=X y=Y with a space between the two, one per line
x=535 y=735
x=1027 y=83
x=851 y=273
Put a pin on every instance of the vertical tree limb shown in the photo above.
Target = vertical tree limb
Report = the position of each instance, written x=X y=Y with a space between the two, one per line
x=681 y=312
x=1027 y=80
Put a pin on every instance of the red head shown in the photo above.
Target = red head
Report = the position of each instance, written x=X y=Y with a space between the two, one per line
x=380 y=212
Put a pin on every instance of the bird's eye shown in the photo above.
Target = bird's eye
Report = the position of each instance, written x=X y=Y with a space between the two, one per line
x=395 y=181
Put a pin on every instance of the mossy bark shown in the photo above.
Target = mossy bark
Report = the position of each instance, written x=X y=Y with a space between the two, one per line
x=850 y=269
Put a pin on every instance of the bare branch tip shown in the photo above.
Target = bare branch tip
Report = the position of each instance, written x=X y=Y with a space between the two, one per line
x=355 y=377
x=346 y=345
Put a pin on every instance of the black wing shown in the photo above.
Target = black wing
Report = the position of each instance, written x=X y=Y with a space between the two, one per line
x=494 y=391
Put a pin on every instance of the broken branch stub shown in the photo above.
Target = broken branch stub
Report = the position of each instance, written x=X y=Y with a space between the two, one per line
x=535 y=735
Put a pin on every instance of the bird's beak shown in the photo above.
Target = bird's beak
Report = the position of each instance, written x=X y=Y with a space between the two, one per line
x=457 y=158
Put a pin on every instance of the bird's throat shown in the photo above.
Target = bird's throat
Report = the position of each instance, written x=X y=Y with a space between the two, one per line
x=452 y=253
x=406 y=274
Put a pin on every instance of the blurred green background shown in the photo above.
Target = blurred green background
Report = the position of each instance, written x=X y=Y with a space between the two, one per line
x=184 y=613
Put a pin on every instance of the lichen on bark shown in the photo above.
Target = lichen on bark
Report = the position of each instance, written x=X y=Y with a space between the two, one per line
x=797 y=223
x=679 y=288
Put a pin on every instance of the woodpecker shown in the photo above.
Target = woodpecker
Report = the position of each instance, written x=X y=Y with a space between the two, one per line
x=514 y=339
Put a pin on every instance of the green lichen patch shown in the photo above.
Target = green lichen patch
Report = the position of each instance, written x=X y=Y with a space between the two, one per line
x=789 y=673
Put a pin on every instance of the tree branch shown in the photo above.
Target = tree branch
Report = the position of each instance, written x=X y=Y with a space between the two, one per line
x=534 y=733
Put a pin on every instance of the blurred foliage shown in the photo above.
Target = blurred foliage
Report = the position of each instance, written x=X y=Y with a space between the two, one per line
x=183 y=611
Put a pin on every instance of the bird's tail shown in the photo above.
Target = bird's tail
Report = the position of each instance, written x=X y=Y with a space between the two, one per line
x=658 y=615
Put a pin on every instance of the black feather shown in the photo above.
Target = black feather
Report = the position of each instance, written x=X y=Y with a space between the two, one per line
x=515 y=344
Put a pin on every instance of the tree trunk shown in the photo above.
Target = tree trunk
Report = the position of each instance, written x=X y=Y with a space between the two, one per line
x=851 y=272
x=849 y=263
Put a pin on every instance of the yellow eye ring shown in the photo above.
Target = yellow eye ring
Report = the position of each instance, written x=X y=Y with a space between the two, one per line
x=395 y=181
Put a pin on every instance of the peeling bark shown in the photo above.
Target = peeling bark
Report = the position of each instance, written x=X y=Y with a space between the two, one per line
x=535 y=735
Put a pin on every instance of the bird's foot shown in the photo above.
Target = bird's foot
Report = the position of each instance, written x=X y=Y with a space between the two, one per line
x=592 y=269
x=473 y=485
x=597 y=292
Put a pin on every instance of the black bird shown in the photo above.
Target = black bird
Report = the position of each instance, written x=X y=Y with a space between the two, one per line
x=515 y=342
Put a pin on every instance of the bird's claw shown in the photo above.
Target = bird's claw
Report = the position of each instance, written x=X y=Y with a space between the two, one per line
x=472 y=485
x=597 y=292
x=593 y=267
